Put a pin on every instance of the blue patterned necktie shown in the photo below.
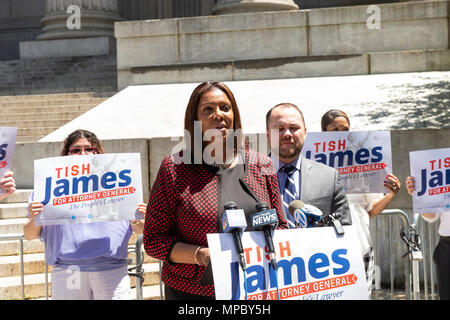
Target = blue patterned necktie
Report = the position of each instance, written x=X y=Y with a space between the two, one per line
x=290 y=193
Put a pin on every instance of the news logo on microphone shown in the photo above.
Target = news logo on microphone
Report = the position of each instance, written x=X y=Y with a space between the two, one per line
x=264 y=218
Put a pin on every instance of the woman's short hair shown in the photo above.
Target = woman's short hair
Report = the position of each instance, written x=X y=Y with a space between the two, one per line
x=191 y=109
x=79 y=134
x=329 y=117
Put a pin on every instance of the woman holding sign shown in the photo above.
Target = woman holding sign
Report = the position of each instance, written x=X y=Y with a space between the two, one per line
x=441 y=255
x=363 y=206
x=7 y=184
x=88 y=259
x=188 y=197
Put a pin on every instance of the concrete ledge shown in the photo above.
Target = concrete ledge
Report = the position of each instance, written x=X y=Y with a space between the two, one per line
x=95 y=46
x=186 y=49
x=289 y=67
x=410 y=61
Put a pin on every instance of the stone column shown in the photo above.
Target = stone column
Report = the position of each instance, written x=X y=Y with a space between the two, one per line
x=241 y=6
x=96 y=19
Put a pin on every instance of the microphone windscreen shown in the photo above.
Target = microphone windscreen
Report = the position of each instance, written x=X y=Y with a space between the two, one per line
x=233 y=219
x=294 y=205
x=229 y=205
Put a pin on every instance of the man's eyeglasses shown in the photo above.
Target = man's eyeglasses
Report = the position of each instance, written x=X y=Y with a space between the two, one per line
x=80 y=150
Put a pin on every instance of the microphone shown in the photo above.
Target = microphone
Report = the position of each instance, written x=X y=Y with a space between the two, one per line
x=266 y=219
x=306 y=215
x=234 y=222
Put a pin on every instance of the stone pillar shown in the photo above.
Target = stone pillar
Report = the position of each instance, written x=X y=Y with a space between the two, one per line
x=96 y=19
x=241 y=6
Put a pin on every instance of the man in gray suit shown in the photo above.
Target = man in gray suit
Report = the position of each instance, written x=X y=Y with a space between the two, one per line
x=312 y=182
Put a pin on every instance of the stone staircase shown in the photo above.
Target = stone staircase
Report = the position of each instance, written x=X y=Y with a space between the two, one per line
x=38 y=96
x=59 y=75
x=35 y=116
x=12 y=217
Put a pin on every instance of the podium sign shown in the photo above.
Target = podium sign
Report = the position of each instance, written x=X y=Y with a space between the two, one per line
x=312 y=264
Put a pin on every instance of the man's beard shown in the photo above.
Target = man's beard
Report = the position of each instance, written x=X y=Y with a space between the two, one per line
x=287 y=152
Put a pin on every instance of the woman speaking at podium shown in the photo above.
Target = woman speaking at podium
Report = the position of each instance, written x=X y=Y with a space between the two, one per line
x=187 y=199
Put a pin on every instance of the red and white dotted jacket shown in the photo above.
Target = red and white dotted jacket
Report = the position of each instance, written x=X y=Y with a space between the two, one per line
x=183 y=206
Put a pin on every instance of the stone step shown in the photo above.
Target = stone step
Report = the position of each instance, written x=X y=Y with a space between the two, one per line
x=24 y=90
x=13 y=210
x=9 y=248
x=50 y=102
x=49 y=97
x=10 y=287
x=48 y=109
x=19 y=196
x=33 y=263
x=21 y=139
x=43 y=115
x=38 y=131
x=12 y=226
x=35 y=123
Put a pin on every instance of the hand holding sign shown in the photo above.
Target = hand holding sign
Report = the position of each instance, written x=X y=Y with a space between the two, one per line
x=7 y=184
x=7 y=146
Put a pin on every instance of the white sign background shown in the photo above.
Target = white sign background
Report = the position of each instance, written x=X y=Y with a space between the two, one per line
x=436 y=198
x=105 y=205
x=357 y=178
x=302 y=243
x=7 y=146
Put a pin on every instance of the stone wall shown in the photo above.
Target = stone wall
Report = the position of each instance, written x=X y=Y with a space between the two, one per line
x=290 y=44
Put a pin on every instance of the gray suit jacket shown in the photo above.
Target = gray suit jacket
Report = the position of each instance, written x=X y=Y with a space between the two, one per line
x=322 y=188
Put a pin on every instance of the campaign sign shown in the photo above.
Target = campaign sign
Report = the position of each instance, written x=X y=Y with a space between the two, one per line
x=363 y=158
x=7 y=145
x=431 y=170
x=88 y=188
x=312 y=264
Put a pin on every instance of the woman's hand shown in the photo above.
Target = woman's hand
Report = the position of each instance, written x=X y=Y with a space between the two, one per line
x=393 y=184
x=138 y=225
x=8 y=184
x=202 y=256
x=35 y=209
x=30 y=229
x=410 y=185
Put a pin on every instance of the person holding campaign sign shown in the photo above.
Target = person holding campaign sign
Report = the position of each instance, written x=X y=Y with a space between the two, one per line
x=437 y=164
x=7 y=185
x=89 y=260
x=363 y=206
x=193 y=187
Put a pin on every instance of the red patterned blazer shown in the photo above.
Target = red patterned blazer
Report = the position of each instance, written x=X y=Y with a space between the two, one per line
x=183 y=206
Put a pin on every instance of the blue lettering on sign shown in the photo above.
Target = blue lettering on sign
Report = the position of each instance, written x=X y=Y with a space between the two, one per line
x=437 y=179
x=107 y=181
x=347 y=157
x=319 y=267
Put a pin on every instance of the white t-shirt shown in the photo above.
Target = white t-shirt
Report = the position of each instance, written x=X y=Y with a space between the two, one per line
x=360 y=205
x=444 y=227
